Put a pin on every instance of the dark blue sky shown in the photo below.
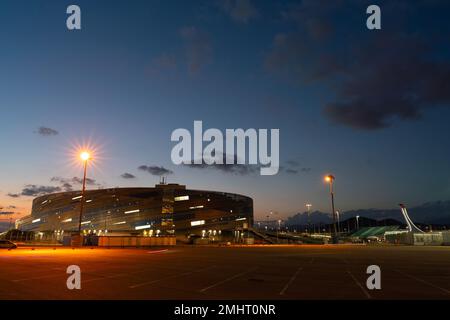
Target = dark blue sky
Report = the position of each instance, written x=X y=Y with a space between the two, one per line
x=371 y=107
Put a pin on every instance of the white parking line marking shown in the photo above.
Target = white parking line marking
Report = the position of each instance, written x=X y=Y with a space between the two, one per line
x=158 y=251
x=41 y=277
x=107 y=277
x=290 y=281
x=359 y=285
x=170 y=277
x=424 y=281
x=227 y=279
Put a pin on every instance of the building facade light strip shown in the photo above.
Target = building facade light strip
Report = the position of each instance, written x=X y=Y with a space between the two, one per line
x=147 y=226
x=241 y=219
x=197 y=223
x=67 y=220
x=196 y=207
x=76 y=198
x=121 y=222
x=132 y=211
x=181 y=198
x=86 y=222
x=36 y=220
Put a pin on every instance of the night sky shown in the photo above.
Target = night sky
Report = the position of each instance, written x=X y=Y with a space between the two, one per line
x=369 y=106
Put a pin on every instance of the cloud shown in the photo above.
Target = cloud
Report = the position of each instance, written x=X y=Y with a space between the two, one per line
x=239 y=10
x=32 y=190
x=155 y=170
x=198 y=48
x=293 y=167
x=127 y=175
x=237 y=169
x=67 y=184
x=6 y=213
x=295 y=170
x=312 y=17
x=400 y=82
x=293 y=58
x=293 y=163
x=378 y=80
x=89 y=181
x=13 y=195
x=45 y=131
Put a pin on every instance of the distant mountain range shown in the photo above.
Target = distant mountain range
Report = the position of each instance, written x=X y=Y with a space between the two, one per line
x=437 y=213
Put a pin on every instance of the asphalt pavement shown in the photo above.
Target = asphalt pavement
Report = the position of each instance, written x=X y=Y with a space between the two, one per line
x=213 y=272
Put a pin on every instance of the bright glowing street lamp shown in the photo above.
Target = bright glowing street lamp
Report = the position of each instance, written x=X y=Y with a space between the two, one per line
x=357 y=222
x=85 y=157
x=330 y=179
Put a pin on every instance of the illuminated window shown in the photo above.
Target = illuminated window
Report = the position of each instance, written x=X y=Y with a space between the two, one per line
x=181 y=198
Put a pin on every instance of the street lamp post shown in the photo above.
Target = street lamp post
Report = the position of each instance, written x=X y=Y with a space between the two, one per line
x=330 y=179
x=308 y=206
x=84 y=157
x=357 y=223
x=279 y=228
x=338 y=222
x=10 y=229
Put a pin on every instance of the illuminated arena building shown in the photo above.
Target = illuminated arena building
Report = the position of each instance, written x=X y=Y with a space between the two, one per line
x=165 y=210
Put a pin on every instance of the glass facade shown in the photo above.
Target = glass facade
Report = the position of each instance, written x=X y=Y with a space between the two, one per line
x=166 y=209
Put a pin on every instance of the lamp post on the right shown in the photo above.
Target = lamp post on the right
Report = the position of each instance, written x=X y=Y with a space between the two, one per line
x=338 y=218
x=308 y=206
x=330 y=179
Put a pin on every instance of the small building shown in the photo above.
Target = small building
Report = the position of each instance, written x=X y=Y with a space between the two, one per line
x=416 y=238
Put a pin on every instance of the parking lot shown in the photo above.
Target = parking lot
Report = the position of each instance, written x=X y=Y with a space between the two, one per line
x=205 y=272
